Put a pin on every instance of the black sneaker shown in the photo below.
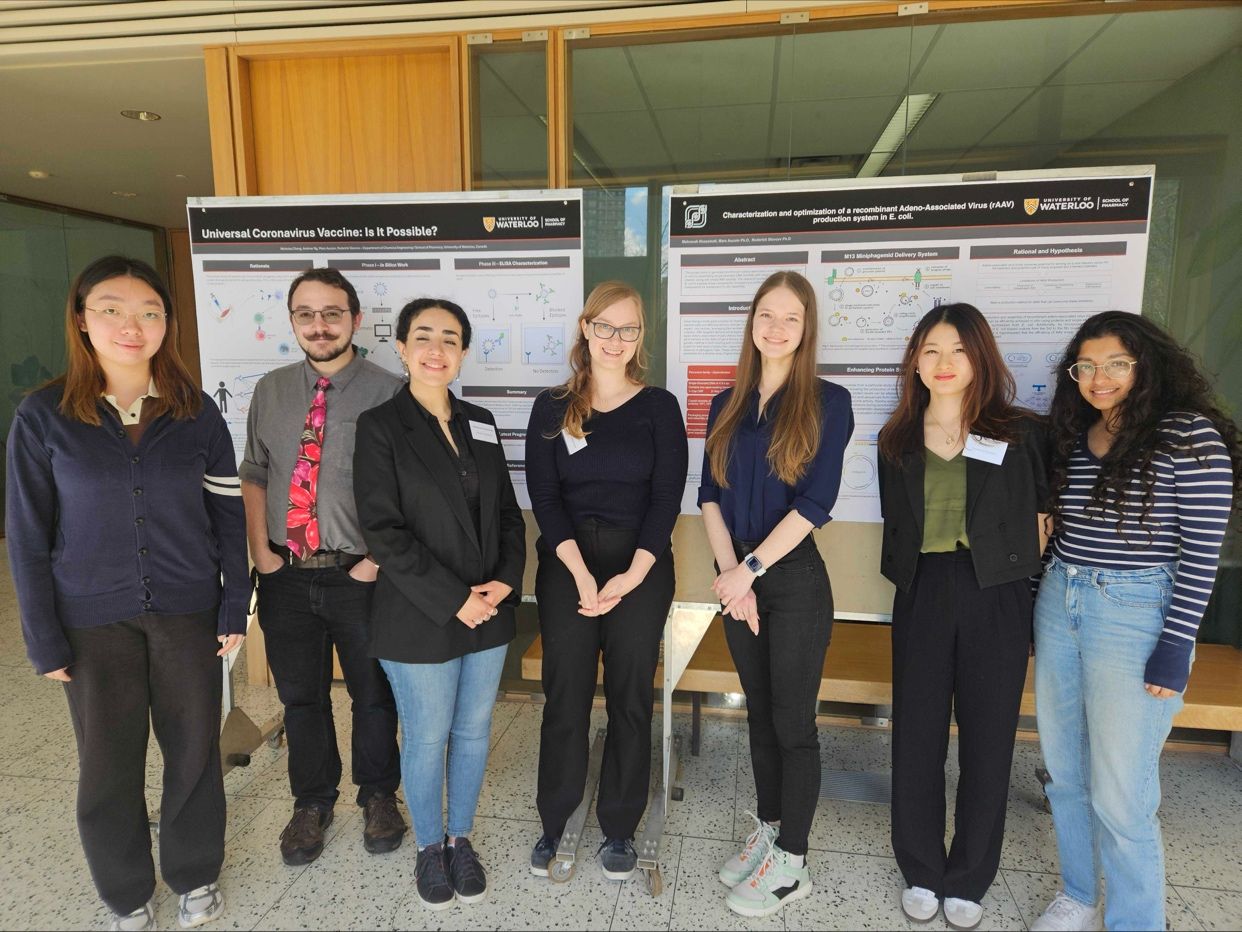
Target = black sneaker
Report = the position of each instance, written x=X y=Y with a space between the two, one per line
x=466 y=874
x=434 y=888
x=618 y=858
x=542 y=855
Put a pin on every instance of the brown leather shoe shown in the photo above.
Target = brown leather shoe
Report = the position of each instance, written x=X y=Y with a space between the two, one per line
x=385 y=828
x=302 y=840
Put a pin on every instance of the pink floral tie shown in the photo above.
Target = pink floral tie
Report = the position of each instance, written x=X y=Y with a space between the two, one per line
x=303 y=519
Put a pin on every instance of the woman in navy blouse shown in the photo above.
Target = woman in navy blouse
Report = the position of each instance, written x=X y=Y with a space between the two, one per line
x=606 y=466
x=1145 y=469
x=771 y=472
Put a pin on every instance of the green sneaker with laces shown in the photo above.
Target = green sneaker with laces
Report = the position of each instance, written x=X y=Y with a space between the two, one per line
x=775 y=882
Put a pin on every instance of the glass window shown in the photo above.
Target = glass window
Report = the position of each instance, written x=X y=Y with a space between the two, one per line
x=509 y=84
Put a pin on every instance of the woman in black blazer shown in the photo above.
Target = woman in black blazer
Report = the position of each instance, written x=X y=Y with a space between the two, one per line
x=439 y=515
x=964 y=491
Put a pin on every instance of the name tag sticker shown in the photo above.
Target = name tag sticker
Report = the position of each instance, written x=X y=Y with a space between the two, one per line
x=981 y=448
x=573 y=444
x=484 y=432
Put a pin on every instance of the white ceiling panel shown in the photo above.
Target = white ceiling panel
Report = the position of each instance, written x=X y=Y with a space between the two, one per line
x=603 y=82
x=1156 y=46
x=836 y=127
x=1068 y=114
x=513 y=83
x=705 y=135
x=959 y=119
x=706 y=74
x=1005 y=53
x=852 y=63
x=623 y=140
x=519 y=144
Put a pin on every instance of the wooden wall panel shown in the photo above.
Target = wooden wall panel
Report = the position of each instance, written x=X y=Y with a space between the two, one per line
x=356 y=123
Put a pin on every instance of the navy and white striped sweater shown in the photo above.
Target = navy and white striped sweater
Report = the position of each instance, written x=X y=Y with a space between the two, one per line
x=1191 y=502
x=100 y=530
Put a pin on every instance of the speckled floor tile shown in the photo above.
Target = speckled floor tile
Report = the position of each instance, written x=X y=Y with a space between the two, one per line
x=346 y=888
x=709 y=781
x=699 y=900
x=637 y=909
x=1034 y=891
x=515 y=898
x=1214 y=909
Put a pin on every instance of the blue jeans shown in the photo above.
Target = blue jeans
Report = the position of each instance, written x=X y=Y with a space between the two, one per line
x=1102 y=732
x=445 y=705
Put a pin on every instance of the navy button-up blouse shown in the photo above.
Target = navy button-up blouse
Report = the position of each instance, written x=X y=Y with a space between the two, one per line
x=756 y=500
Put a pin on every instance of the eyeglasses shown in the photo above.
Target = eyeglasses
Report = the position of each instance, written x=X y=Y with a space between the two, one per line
x=1114 y=369
x=605 y=331
x=305 y=315
x=116 y=315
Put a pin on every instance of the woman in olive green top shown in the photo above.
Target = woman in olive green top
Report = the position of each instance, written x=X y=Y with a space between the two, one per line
x=963 y=489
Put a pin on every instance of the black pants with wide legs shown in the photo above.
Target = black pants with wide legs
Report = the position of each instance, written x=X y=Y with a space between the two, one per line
x=304 y=613
x=960 y=650
x=629 y=639
x=160 y=669
x=780 y=669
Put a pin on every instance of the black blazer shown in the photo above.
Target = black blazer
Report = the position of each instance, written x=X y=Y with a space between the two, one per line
x=1002 y=502
x=416 y=524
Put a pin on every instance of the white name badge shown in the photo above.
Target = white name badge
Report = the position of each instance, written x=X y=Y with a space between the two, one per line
x=484 y=432
x=981 y=448
x=573 y=444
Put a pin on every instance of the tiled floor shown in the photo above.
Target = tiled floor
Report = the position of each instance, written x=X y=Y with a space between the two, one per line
x=44 y=882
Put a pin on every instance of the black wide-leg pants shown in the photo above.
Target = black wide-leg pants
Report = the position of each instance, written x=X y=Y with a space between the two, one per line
x=957 y=650
x=629 y=639
x=160 y=669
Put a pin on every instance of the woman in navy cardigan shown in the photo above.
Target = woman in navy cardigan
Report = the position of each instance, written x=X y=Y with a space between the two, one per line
x=123 y=514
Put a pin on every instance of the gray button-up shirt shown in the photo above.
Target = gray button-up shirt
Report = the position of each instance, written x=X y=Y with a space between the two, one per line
x=274 y=425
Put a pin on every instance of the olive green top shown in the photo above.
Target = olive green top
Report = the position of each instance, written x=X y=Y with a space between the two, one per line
x=944 y=504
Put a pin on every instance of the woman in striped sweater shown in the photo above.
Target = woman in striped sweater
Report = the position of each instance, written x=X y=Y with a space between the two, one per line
x=1145 y=466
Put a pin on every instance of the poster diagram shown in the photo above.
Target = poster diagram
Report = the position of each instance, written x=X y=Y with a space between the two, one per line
x=1038 y=253
x=513 y=263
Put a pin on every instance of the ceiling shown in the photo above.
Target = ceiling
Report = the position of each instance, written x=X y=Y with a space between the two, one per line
x=1012 y=93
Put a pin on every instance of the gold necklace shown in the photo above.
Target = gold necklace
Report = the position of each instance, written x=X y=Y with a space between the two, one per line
x=950 y=439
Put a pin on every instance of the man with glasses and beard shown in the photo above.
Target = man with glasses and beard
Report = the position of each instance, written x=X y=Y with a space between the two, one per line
x=315 y=577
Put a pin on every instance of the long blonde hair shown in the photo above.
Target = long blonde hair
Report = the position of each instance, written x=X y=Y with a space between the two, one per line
x=796 y=431
x=578 y=387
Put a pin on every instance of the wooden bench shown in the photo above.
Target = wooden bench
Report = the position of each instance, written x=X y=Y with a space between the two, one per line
x=858 y=669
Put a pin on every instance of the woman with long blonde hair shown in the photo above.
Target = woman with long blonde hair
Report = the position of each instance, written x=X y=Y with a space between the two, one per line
x=605 y=465
x=771 y=472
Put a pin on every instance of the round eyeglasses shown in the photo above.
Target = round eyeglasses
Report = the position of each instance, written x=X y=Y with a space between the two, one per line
x=605 y=331
x=1114 y=369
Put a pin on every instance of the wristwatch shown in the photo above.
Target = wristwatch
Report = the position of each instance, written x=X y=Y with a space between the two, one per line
x=754 y=564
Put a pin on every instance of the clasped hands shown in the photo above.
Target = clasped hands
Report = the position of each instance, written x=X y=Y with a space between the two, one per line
x=737 y=599
x=481 y=605
x=594 y=600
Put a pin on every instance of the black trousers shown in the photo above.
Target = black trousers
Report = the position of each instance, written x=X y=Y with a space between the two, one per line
x=780 y=669
x=303 y=614
x=629 y=638
x=162 y=670
x=963 y=650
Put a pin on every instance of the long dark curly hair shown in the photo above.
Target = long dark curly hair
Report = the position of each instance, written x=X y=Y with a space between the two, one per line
x=1167 y=378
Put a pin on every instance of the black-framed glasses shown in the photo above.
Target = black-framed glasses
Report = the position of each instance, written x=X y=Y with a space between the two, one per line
x=1114 y=369
x=605 y=331
x=118 y=315
x=306 y=315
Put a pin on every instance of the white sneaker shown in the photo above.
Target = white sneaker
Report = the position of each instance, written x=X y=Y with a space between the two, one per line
x=743 y=864
x=139 y=920
x=1066 y=914
x=962 y=914
x=919 y=903
x=199 y=905
x=775 y=882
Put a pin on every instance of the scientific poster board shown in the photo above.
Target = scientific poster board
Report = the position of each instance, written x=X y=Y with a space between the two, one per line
x=1038 y=253
x=513 y=261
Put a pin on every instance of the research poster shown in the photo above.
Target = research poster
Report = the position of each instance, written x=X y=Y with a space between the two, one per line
x=1037 y=254
x=514 y=263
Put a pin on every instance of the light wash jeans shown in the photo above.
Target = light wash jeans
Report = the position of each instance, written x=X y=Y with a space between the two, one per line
x=1101 y=733
x=445 y=705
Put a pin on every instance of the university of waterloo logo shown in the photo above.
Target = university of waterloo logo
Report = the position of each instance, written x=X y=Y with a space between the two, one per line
x=1030 y=205
x=489 y=224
